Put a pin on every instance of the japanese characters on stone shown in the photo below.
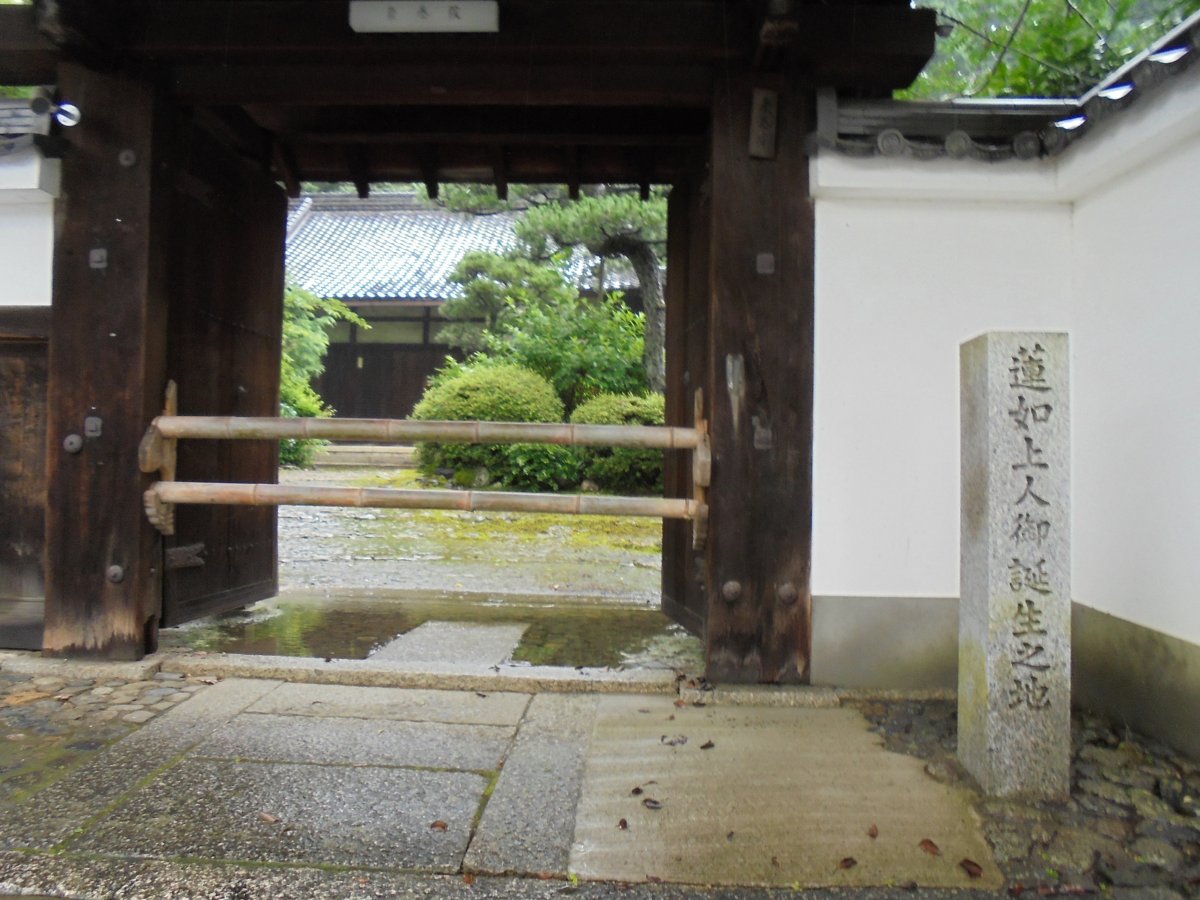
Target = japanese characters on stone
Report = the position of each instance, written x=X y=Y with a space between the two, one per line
x=1032 y=405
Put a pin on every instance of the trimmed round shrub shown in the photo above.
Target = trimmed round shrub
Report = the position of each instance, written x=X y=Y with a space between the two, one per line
x=622 y=469
x=495 y=393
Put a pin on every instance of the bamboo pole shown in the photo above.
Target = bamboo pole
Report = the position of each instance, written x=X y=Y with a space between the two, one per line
x=405 y=430
x=195 y=492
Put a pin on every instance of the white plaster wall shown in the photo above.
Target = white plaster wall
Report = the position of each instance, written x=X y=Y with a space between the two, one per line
x=914 y=258
x=28 y=185
x=900 y=284
x=1136 y=328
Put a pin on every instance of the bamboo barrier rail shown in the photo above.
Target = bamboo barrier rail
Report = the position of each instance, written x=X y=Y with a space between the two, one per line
x=214 y=493
x=403 y=430
x=157 y=454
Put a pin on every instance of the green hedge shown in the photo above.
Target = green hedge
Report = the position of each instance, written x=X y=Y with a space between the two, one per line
x=622 y=469
x=496 y=393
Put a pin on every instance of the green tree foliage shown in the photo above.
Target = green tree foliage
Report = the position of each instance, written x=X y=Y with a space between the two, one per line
x=623 y=469
x=610 y=221
x=496 y=289
x=1038 y=48
x=582 y=347
x=306 y=322
x=613 y=223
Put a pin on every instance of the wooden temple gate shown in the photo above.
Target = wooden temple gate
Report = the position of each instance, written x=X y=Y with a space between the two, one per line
x=199 y=117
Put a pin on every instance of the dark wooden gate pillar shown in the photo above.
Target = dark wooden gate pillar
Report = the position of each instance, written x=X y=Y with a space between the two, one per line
x=760 y=384
x=106 y=371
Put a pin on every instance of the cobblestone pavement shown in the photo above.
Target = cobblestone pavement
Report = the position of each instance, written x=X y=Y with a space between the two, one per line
x=1130 y=829
x=48 y=724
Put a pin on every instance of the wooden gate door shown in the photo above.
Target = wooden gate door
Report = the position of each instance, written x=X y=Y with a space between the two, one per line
x=223 y=346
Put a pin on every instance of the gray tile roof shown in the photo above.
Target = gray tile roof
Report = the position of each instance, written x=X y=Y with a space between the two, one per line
x=392 y=247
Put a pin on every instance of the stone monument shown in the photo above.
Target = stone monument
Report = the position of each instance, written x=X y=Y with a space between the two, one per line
x=1014 y=656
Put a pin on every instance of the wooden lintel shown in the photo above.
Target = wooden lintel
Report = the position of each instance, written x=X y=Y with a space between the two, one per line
x=24 y=323
x=26 y=55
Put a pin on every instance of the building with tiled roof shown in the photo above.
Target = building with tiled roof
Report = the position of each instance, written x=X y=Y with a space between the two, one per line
x=390 y=257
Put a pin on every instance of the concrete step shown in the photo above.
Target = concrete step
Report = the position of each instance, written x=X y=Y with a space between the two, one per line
x=390 y=455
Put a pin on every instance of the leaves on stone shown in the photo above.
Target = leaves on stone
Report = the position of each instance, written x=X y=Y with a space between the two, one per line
x=972 y=868
x=439 y=825
x=873 y=831
x=673 y=741
x=623 y=825
x=848 y=862
x=651 y=803
x=269 y=818
x=707 y=745
x=930 y=847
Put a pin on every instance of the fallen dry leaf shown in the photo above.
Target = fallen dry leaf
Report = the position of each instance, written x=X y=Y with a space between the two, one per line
x=468 y=879
x=972 y=868
x=677 y=741
x=729 y=837
x=930 y=847
x=873 y=831
x=848 y=862
x=680 y=703
x=775 y=861
x=20 y=698
x=699 y=704
x=644 y=711
x=1016 y=890
x=707 y=745
x=62 y=698
x=637 y=791
x=651 y=803
x=209 y=679
x=623 y=825
x=269 y=818
x=439 y=825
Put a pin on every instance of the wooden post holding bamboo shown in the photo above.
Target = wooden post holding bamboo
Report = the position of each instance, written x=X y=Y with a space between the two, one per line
x=165 y=494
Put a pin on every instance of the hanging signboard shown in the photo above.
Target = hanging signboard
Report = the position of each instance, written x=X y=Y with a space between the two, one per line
x=425 y=16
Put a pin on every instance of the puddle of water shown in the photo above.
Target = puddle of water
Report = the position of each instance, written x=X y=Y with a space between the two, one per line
x=349 y=625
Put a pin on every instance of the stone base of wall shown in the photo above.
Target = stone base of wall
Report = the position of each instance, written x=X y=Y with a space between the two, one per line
x=1129 y=674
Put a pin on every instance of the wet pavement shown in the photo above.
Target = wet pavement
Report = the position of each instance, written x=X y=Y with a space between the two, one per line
x=281 y=788
x=415 y=771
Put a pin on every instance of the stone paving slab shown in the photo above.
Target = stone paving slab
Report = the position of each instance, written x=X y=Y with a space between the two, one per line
x=286 y=812
x=454 y=642
x=527 y=825
x=98 y=879
x=342 y=741
x=59 y=810
x=764 y=796
x=452 y=707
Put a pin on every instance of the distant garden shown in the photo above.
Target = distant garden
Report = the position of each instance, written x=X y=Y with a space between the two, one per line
x=536 y=349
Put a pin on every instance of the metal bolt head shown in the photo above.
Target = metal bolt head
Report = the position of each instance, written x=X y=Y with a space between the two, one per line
x=787 y=593
x=115 y=574
x=73 y=443
x=67 y=115
x=731 y=591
